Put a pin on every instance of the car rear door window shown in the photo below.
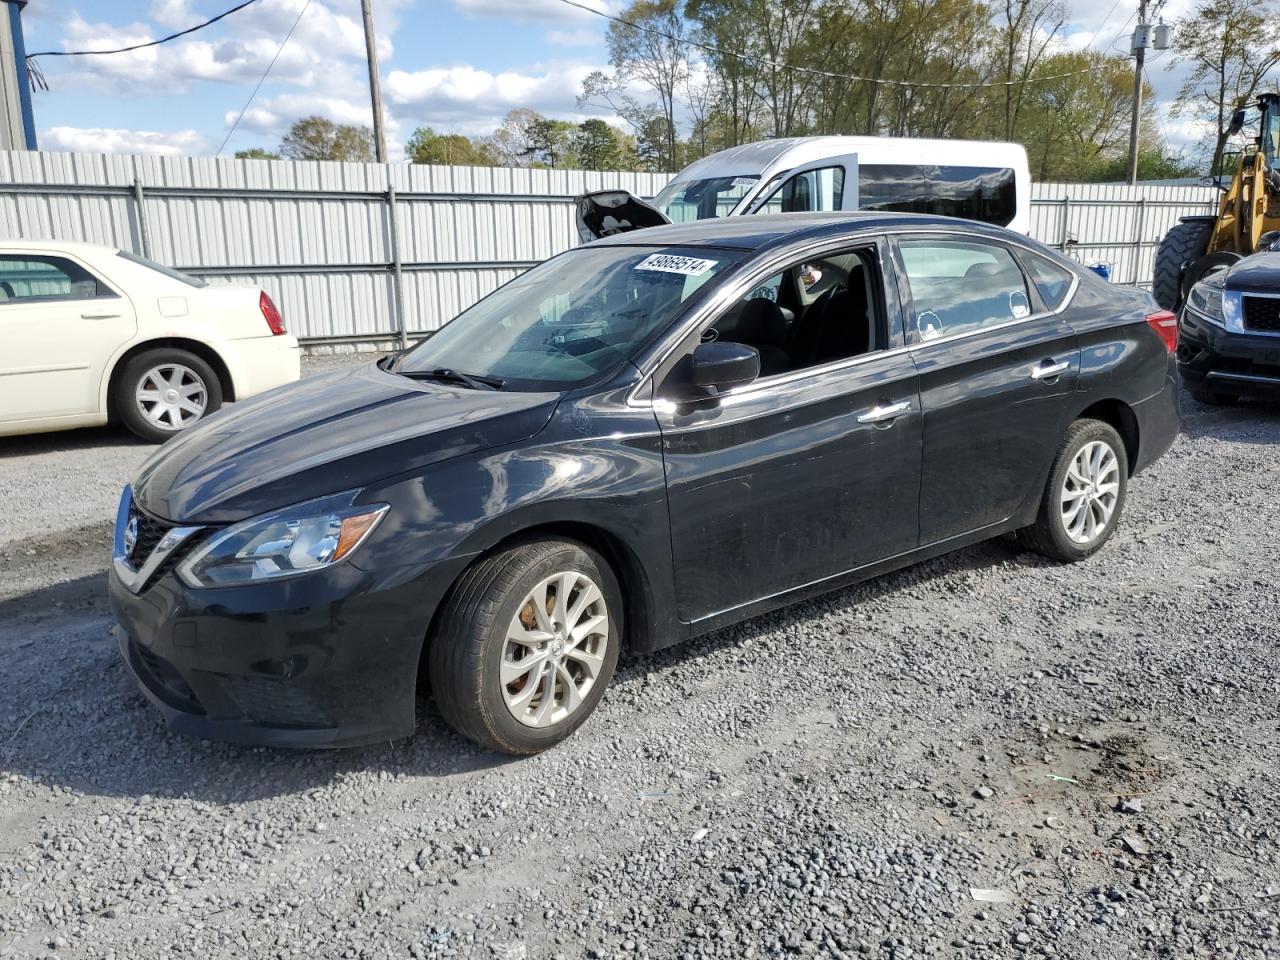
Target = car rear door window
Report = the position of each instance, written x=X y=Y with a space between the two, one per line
x=959 y=286
x=32 y=278
x=1051 y=279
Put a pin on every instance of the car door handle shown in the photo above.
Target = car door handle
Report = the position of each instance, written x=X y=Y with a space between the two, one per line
x=884 y=414
x=1050 y=368
x=98 y=316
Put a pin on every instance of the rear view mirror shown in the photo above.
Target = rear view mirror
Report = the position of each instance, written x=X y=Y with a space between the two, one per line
x=723 y=365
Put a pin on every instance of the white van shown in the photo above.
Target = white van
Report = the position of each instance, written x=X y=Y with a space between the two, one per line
x=974 y=179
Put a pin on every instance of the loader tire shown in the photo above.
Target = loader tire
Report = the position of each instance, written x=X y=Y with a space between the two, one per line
x=1186 y=240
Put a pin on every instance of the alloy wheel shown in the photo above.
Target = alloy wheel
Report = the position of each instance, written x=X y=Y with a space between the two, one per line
x=1090 y=491
x=555 y=649
x=171 y=396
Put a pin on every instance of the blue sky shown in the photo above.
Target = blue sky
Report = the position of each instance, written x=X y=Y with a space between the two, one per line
x=455 y=65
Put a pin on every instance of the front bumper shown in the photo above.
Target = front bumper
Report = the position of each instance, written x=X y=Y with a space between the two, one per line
x=324 y=660
x=1213 y=358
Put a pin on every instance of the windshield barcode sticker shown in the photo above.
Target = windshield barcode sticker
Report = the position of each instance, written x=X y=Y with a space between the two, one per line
x=669 y=263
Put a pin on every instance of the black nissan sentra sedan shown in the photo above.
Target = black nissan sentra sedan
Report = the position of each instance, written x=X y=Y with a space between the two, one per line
x=638 y=441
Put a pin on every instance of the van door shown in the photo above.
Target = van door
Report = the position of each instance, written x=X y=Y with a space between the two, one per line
x=827 y=184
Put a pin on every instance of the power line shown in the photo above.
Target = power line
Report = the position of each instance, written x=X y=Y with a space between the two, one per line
x=141 y=46
x=262 y=79
x=764 y=61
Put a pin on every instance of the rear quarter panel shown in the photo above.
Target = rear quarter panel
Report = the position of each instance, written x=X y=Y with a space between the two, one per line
x=1121 y=357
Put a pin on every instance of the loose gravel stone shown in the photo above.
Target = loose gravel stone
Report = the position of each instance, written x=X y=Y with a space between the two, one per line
x=832 y=752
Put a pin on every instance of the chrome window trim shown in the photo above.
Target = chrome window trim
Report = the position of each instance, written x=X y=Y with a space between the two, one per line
x=649 y=365
x=1233 y=314
x=135 y=580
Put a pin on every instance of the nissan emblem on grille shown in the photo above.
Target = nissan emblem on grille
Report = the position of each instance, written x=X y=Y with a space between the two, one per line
x=131 y=536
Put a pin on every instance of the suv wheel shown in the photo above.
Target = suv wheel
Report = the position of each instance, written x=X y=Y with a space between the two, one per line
x=526 y=645
x=162 y=392
x=1085 y=494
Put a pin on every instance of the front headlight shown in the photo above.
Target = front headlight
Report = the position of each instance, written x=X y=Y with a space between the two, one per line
x=287 y=543
x=1205 y=299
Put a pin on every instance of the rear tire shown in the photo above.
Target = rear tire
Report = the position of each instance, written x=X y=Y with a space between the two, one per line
x=160 y=393
x=1085 y=494
x=1185 y=241
x=526 y=645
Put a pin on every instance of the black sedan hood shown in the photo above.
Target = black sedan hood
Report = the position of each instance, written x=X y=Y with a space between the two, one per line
x=1259 y=273
x=324 y=435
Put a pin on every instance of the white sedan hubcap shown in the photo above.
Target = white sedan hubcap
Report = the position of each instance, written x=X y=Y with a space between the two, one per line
x=171 y=396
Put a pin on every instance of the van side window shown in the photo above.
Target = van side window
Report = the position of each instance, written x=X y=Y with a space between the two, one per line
x=988 y=194
x=812 y=313
x=958 y=286
x=28 y=278
x=808 y=191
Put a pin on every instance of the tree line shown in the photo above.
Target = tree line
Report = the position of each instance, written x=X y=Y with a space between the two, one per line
x=690 y=77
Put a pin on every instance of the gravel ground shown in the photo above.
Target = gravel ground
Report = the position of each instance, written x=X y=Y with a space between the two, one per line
x=1095 y=744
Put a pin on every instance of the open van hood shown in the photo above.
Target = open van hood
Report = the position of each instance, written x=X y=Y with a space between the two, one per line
x=608 y=212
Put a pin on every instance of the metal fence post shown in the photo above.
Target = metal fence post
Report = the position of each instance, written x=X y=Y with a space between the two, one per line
x=140 y=207
x=1137 y=238
x=397 y=268
x=1066 y=216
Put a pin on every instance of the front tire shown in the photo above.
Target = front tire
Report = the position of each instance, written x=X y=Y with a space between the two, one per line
x=1085 y=494
x=526 y=645
x=160 y=393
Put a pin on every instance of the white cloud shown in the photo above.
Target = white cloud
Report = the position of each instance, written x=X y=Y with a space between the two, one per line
x=551 y=89
x=115 y=140
x=582 y=37
x=323 y=52
x=538 y=11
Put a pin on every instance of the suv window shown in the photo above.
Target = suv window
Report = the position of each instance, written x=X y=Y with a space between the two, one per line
x=1051 y=279
x=958 y=286
x=27 y=278
x=793 y=330
x=807 y=191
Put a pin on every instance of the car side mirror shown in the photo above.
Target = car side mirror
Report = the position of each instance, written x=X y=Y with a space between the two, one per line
x=723 y=365
x=1237 y=122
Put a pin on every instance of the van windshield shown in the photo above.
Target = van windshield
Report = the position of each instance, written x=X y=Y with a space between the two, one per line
x=686 y=200
x=571 y=319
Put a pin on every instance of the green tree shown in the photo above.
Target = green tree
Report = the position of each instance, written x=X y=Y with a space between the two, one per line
x=550 y=142
x=597 y=146
x=1231 y=46
x=256 y=153
x=427 y=146
x=319 y=138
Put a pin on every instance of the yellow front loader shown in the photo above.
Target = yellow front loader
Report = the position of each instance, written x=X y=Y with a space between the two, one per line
x=1247 y=220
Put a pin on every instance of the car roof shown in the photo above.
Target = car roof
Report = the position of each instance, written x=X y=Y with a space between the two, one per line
x=757 y=231
x=53 y=246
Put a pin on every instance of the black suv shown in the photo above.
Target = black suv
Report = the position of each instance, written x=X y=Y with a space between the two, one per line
x=1230 y=332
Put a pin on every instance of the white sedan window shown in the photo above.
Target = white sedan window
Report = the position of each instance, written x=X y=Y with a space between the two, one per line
x=26 y=278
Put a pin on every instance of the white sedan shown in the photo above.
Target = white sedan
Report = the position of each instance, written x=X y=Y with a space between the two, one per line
x=91 y=333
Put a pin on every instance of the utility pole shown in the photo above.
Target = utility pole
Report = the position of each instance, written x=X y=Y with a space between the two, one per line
x=375 y=86
x=1139 y=45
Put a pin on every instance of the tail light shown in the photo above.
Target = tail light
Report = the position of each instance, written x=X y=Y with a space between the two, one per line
x=1163 y=323
x=272 y=315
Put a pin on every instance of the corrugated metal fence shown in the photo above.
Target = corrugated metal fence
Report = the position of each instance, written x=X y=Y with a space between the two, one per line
x=363 y=251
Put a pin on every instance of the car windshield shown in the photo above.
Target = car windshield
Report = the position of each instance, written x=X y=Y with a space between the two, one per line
x=570 y=320
x=703 y=199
